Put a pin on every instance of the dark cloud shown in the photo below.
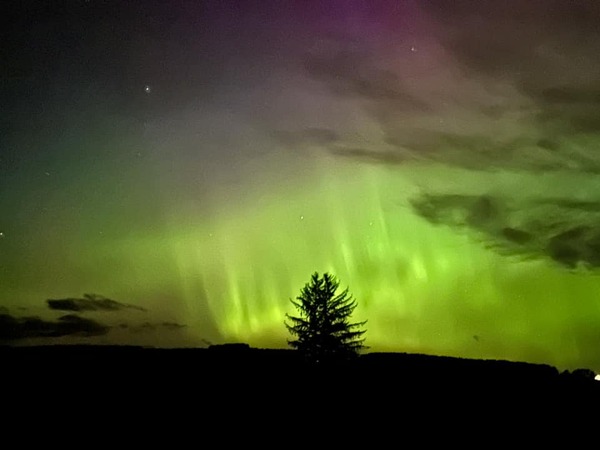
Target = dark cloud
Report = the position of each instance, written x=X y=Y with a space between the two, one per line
x=567 y=203
x=550 y=51
x=74 y=324
x=564 y=231
x=475 y=211
x=509 y=38
x=516 y=236
x=15 y=328
x=479 y=152
x=353 y=73
x=475 y=152
x=577 y=245
x=470 y=151
x=565 y=111
x=148 y=326
x=306 y=136
x=89 y=302
x=568 y=95
x=526 y=98
x=499 y=47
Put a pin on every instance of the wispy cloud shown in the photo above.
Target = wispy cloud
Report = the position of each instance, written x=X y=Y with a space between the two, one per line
x=564 y=231
x=15 y=328
x=89 y=302
x=150 y=326
x=353 y=73
x=306 y=136
x=516 y=88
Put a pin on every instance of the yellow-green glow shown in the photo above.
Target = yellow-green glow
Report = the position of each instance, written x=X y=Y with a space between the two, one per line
x=421 y=287
x=204 y=174
x=228 y=270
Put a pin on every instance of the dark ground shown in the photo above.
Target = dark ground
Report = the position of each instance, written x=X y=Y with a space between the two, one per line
x=236 y=383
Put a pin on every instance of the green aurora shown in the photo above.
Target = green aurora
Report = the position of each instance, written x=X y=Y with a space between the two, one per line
x=212 y=217
x=422 y=287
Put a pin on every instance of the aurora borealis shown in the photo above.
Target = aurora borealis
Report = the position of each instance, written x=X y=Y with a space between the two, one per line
x=197 y=161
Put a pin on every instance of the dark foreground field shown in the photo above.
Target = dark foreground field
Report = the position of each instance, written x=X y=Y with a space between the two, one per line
x=236 y=365
x=236 y=382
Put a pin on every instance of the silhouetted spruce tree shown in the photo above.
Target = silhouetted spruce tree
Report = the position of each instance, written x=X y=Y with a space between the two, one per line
x=323 y=329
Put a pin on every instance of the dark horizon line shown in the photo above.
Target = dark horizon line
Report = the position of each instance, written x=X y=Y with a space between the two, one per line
x=241 y=348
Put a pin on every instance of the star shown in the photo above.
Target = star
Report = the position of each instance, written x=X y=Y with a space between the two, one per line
x=1 y=234
x=147 y=89
x=413 y=49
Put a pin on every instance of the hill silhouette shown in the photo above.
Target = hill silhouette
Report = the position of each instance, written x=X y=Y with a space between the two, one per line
x=246 y=372
x=239 y=392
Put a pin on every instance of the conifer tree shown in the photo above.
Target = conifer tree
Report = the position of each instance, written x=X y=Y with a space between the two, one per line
x=323 y=331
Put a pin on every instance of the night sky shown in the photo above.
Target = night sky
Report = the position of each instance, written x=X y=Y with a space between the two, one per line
x=172 y=172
